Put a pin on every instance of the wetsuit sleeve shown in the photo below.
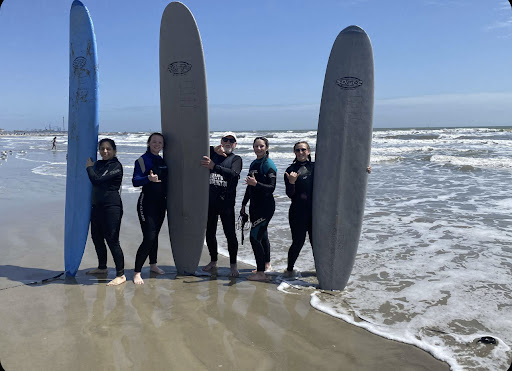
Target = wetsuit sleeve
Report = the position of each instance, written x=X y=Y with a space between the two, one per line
x=234 y=172
x=139 y=179
x=271 y=186
x=112 y=171
x=247 y=195
x=290 y=188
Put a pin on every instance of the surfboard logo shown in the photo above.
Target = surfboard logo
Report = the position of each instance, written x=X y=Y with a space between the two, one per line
x=349 y=82
x=79 y=62
x=179 y=68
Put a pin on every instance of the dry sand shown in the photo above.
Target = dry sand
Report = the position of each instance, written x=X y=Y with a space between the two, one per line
x=170 y=323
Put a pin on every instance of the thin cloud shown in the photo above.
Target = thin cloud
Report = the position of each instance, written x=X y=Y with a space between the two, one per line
x=500 y=25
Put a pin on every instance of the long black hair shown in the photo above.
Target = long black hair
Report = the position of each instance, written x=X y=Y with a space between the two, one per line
x=307 y=145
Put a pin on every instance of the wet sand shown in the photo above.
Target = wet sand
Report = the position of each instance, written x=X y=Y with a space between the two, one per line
x=171 y=322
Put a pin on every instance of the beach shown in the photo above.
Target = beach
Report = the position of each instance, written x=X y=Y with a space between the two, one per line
x=432 y=268
x=170 y=323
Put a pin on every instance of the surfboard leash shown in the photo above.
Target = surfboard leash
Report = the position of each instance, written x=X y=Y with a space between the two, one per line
x=243 y=218
x=40 y=282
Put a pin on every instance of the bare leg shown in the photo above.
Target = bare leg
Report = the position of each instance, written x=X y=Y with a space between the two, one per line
x=137 y=279
x=268 y=267
x=234 y=271
x=211 y=265
x=258 y=276
x=117 y=281
x=154 y=268
x=97 y=271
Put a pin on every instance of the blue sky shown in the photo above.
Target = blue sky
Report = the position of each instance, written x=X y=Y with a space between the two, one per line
x=437 y=62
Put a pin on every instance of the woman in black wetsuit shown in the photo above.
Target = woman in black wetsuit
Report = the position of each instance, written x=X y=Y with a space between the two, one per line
x=298 y=180
x=261 y=183
x=106 y=176
x=150 y=173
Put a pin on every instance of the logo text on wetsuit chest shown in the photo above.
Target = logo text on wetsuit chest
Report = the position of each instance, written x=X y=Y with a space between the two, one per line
x=218 y=180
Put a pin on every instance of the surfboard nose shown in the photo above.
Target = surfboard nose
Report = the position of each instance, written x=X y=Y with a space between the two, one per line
x=353 y=28
x=77 y=3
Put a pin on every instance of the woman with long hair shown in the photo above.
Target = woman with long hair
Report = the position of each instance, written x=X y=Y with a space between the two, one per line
x=106 y=176
x=298 y=180
x=261 y=183
x=150 y=173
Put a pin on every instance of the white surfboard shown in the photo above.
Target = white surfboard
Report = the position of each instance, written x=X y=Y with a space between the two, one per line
x=342 y=156
x=184 y=114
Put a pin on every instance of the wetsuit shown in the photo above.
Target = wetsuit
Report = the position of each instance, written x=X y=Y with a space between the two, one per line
x=223 y=181
x=301 y=209
x=261 y=208
x=151 y=205
x=107 y=210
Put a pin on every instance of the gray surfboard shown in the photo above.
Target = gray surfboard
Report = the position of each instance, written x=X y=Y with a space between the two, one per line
x=342 y=156
x=184 y=114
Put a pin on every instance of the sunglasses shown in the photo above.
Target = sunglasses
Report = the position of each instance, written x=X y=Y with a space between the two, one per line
x=230 y=140
x=298 y=150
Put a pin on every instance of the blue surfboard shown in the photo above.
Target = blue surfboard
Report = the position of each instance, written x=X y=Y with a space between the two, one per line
x=82 y=133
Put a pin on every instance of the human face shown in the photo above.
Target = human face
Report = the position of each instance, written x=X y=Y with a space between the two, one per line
x=156 y=144
x=301 y=152
x=106 y=151
x=260 y=149
x=227 y=146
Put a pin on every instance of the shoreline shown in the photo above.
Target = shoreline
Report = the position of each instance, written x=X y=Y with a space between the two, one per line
x=168 y=323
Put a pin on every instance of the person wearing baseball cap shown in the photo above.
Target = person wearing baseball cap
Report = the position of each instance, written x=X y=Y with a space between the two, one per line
x=225 y=168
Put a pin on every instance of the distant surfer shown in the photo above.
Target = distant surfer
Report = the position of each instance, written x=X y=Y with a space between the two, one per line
x=54 y=143
x=261 y=183
x=225 y=168
x=106 y=176
x=298 y=180
x=150 y=173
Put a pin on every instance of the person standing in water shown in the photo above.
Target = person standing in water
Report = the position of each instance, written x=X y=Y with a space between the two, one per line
x=298 y=180
x=150 y=173
x=225 y=168
x=54 y=143
x=261 y=183
x=106 y=176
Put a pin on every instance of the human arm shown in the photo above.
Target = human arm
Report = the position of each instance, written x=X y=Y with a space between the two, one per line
x=139 y=177
x=271 y=185
x=229 y=173
x=112 y=171
x=290 y=177
x=246 y=198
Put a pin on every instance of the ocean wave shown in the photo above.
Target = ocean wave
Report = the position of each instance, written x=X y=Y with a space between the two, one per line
x=51 y=169
x=474 y=162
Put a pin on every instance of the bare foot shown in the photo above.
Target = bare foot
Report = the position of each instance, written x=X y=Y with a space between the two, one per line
x=137 y=279
x=211 y=265
x=268 y=267
x=258 y=276
x=98 y=271
x=117 y=281
x=154 y=268
x=233 y=271
x=289 y=274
